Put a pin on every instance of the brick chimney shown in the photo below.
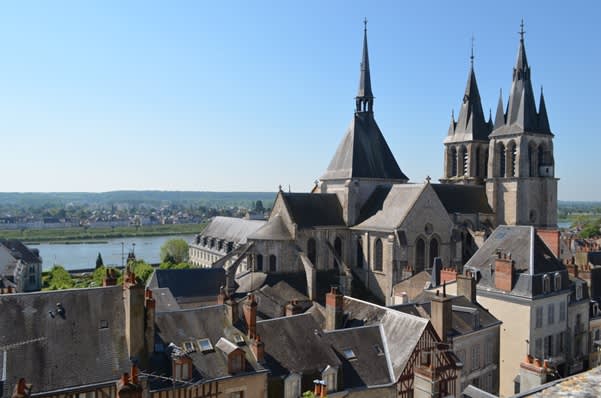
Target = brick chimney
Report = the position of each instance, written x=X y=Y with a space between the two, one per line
x=504 y=270
x=22 y=389
x=150 y=306
x=129 y=387
x=133 y=300
x=466 y=286
x=448 y=274
x=258 y=349
x=250 y=315
x=292 y=308
x=534 y=372
x=441 y=313
x=334 y=309
x=572 y=269
x=110 y=279
x=551 y=237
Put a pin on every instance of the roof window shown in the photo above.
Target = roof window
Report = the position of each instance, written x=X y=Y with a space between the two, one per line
x=205 y=345
x=349 y=354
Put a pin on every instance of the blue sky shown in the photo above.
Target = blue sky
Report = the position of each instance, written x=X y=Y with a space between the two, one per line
x=241 y=96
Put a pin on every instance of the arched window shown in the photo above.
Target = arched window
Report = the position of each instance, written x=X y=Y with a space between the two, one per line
x=433 y=251
x=272 y=263
x=541 y=156
x=453 y=162
x=546 y=284
x=512 y=153
x=378 y=255
x=420 y=254
x=337 y=250
x=532 y=159
x=259 y=262
x=477 y=165
x=312 y=251
x=557 y=282
x=359 y=254
x=463 y=156
x=501 y=155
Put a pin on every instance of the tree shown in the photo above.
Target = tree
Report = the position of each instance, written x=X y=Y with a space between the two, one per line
x=174 y=251
x=59 y=278
x=99 y=262
x=142 y=269
x=100 y=273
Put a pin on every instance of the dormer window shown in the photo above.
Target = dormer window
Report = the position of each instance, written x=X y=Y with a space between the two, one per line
x=378 y=349
x=349 y=354
x=557 y=281
x=189 y=346
x=205 y=345
x=239 y=339
x=546 y=284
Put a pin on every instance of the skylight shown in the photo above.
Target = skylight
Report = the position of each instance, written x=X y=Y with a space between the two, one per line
x=239 y=339
x=349 y=354
x=189 y=346
x=205 y=345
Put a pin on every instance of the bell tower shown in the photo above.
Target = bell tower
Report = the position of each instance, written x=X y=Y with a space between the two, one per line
x=521 y=185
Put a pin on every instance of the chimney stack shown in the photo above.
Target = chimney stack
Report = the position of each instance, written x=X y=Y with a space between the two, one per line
x=334 y=309
x=466 y=286
x=250 y=315
x=110 y=279
x=504 y=270
x=133 y=300
x=292 y=308
x=258 y=349
x=441 y=313
x=22 y=389
x=150 y=306
x=129 y=387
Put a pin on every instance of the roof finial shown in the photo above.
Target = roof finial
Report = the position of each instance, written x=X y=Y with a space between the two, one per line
x=365 y=24
x=472 y=54
x=522 y=31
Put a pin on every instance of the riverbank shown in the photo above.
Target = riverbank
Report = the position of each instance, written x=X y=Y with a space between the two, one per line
x=74 y=235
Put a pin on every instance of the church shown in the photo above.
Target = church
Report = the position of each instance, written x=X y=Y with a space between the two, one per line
x=366 y=220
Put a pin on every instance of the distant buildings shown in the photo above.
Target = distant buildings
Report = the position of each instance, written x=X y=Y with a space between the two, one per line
x=20 y=267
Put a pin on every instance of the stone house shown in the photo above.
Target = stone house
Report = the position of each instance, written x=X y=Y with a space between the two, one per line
x=20 y=266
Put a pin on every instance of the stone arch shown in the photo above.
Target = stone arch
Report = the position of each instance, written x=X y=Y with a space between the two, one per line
x=312 y=251
x=378 y=255
x=453 y=155
x=420 y=254
x=512 y=156
x=501 y=160
x=433 y=249
x=337 y=250
x=532 y=159
x=463 y=161
x=360 y=253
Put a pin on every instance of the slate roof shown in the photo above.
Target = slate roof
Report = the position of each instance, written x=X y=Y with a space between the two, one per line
x=231 y=229
x=414 y=285
x=189 y=283
x=77 y=350
x=210 y=322
x=21 y=252
x=521 y=115
x=295 y=344
x=471 y=124
x=467 y=317
x=309 y=210
x=583 y=385
x=274 y=229
x=401 y=331
x=394 y=207
x=465 y=199
x=371 y=366
x=363 y=153
x=531 y=255
x=164 y=300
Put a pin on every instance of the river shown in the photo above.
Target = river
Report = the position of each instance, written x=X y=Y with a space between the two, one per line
x=83 y=255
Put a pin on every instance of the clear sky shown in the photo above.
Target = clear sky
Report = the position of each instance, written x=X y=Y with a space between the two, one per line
x=243 y=96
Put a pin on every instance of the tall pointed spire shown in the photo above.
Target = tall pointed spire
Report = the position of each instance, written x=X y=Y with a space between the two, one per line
x=365 y=97
x=543 y=119
x=500 y=115
x=471 y=123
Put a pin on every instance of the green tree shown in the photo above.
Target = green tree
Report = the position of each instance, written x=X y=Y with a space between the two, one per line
x=175 y=266
x=100 y=273
x=174 y=251
x=99 y=262
x=59 y=278
x=142 y=269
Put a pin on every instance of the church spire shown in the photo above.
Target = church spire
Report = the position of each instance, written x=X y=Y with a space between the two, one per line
x=365 y=97
x=543 y=119
x=500 y=115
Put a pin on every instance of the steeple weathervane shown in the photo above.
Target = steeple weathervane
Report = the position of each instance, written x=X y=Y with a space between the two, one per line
x=522 y=31
x=365 y=98
x=472 y=54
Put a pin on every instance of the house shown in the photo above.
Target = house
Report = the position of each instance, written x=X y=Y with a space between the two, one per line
x=20 y=266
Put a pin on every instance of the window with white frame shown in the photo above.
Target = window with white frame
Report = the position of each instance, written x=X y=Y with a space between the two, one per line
x=546 y=284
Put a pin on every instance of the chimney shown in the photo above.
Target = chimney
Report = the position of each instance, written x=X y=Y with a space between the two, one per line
x=436 y=267
x=231 y=310
x=250 y=315
x=129 y=387
x=334 y=309
x=534 y=372
x=466 y=286
x=150 y=305
x=258 y=349
x=551 y=237
x=448 y=274
x=441 y=313
x=504 y=269
x=292 y=308
x=110 y=279
x=22 y=389
x=133 y=300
